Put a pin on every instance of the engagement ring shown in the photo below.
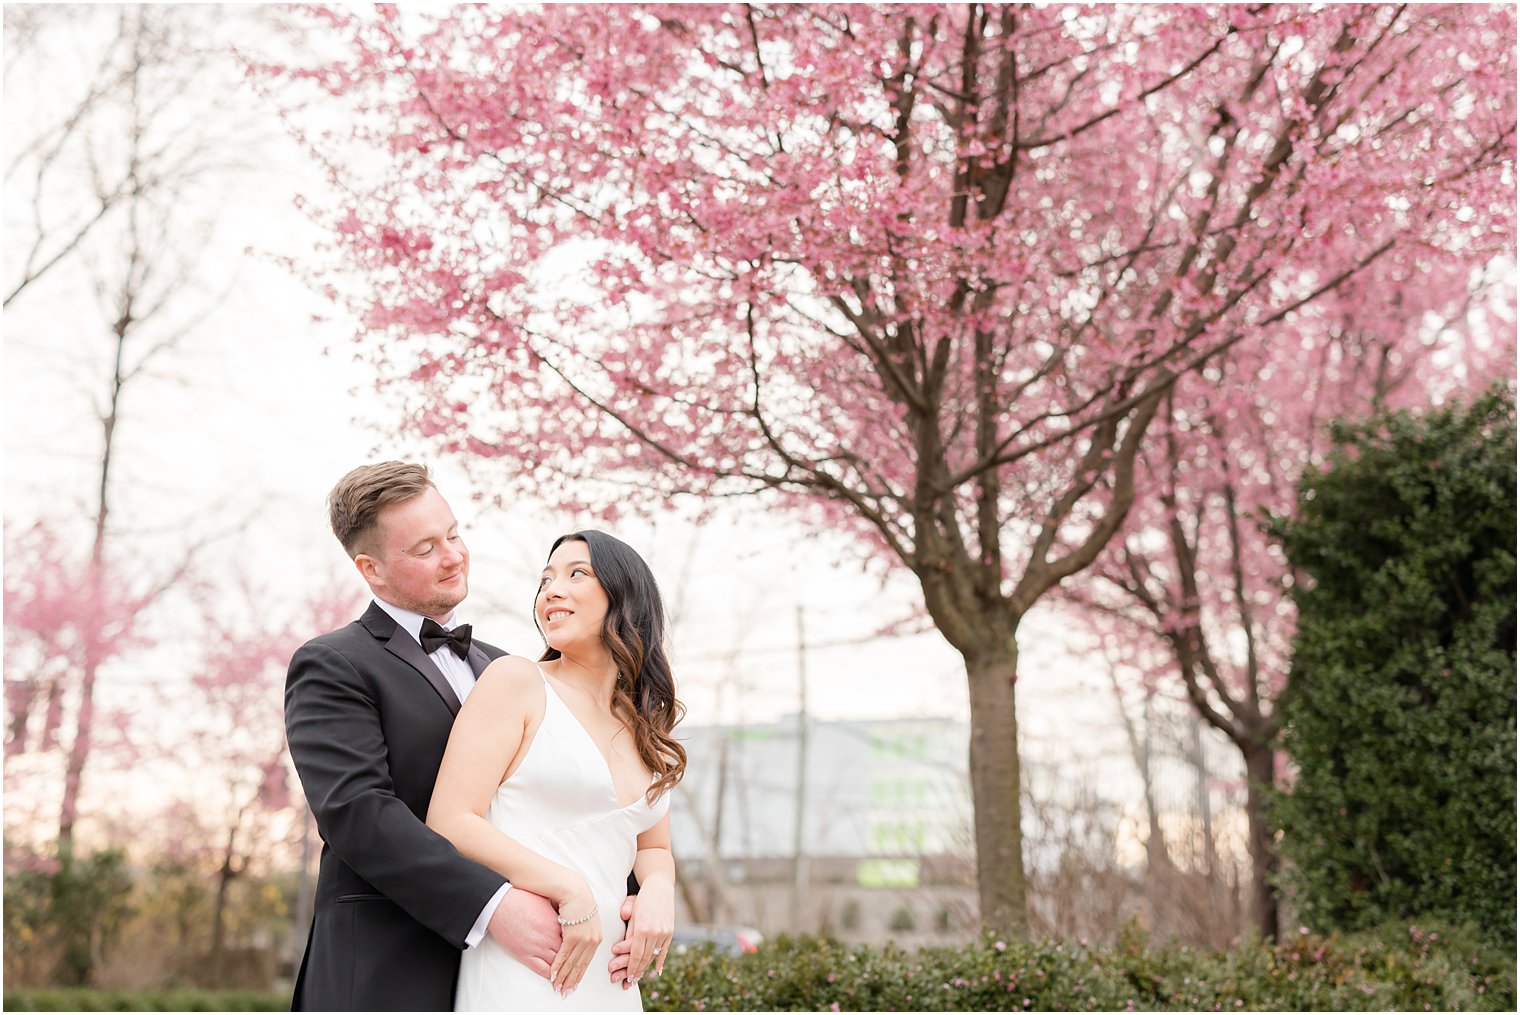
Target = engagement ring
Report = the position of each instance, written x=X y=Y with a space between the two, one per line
x=657 y=949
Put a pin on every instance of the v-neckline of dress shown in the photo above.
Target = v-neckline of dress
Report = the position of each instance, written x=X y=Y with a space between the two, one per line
x=590 y=742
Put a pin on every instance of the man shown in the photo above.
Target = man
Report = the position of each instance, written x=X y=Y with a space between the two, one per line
x=368 y=710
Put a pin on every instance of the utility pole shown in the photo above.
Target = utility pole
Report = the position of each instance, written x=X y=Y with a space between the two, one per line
x=717 y=874
x=801 y=874
x=1201 y=792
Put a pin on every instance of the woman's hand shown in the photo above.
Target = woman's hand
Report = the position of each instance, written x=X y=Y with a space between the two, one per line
x=581 y=926
x=653 y=924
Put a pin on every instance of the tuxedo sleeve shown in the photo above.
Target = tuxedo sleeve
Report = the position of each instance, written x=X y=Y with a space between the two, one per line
x=339 y=747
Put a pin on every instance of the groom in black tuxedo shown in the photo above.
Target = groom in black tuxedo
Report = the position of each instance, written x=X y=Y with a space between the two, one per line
x=368 y=710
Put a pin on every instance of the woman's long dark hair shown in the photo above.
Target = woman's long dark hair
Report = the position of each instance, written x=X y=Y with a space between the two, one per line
x=644 y=697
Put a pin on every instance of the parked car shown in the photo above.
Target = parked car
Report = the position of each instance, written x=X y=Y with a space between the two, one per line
x=734 y=940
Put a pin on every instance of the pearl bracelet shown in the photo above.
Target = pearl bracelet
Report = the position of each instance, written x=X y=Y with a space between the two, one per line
x=571 y=923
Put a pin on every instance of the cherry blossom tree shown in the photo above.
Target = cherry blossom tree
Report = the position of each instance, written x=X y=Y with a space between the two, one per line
x=1193 y=572
x=924 y=274
x=69 y=615
x=238 y=735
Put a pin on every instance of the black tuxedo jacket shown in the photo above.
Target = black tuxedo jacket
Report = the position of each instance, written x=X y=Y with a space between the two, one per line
x=368 y=715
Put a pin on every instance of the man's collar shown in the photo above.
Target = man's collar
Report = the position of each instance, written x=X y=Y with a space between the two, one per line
x=412 y=622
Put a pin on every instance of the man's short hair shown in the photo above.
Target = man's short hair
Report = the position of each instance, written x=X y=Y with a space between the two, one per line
x=354 y=505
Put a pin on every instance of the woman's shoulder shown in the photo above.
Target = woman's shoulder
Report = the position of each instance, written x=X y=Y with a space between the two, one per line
x=514 y=679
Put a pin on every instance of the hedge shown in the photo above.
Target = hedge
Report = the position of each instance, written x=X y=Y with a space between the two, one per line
x=85 y=999
x=1411 y=968
x=1400 y=713
x=1407 y=968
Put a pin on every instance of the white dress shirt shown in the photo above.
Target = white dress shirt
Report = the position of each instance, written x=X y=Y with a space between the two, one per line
x=462 y=679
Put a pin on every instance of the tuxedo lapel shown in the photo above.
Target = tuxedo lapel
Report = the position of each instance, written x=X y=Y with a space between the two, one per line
x=478 y=660
x=404 y=647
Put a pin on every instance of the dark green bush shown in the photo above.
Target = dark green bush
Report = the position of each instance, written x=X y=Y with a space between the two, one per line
x=68 y=915
x=1397 y=968
x=79 y=999
x=1401 y=724
x=1403 y=967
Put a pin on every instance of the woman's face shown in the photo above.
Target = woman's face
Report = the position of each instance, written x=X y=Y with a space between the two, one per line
x=571 y=603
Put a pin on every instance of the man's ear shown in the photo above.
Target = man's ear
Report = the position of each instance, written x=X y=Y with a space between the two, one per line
x=367 y=568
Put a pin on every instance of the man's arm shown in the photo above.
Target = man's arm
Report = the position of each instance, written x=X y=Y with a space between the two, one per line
x=338 y=745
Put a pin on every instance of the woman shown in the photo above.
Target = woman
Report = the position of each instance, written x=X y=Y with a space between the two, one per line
x=558 y=775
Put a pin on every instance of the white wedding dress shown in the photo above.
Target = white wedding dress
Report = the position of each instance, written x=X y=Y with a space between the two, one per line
x=561 y=803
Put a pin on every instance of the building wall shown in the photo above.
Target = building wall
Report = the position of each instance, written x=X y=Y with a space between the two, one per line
x=885 y=812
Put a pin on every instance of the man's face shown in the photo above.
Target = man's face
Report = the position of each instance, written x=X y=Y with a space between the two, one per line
x=421 y=563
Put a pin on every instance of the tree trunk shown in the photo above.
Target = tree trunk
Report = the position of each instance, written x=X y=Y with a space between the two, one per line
x=689 y=895
x=74 y=916
x=1158 y=860
x=1259 y=779
x=219 y=925
x=995 y=791
x=84 y=727
x=79 y=752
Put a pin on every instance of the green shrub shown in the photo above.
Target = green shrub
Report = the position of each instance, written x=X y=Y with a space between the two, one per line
x=66 y=915
x=1401 y=968
x=1401 y=723
x=78 y=999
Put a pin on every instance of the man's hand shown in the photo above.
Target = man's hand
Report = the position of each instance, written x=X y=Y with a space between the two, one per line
x=527 y=926
x=621 y=948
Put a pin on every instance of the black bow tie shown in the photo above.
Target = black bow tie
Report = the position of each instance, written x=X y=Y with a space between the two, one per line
x=434 y=637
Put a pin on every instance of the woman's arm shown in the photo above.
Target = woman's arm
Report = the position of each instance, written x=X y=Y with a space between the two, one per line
x=654 y=908
x=654 y=861
x=485 y=746
x=488 y=735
